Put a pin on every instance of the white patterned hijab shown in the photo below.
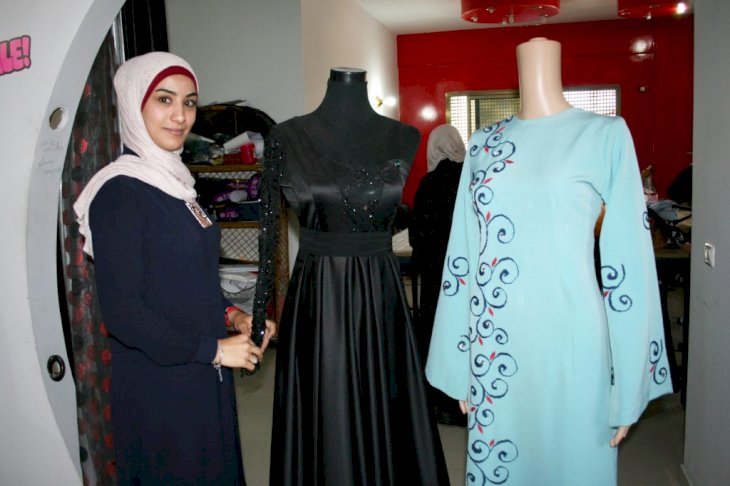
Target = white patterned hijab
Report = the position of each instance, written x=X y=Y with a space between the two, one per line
x=444 y=143
x=153 y=165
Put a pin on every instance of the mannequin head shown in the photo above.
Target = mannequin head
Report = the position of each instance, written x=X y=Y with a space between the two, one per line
x=539 y=69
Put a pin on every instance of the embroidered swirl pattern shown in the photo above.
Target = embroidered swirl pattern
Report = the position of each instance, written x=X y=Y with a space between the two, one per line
x=612 y=278
x=490 y=457
x=458 y=268
x=658 y=373
x=491 y=366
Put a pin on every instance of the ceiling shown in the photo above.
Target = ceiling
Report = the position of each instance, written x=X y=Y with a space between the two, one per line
x=417 y=16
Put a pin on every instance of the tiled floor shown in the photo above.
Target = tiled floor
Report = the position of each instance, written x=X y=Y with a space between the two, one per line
x=650 y=456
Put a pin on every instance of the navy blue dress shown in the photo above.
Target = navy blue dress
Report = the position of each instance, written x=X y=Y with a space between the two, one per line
x=157 y=277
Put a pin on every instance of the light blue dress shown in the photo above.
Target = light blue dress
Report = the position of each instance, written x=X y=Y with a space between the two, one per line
x=549 y=361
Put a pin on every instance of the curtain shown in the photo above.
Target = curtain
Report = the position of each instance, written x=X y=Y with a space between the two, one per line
x=94 y=143
x=145 y=27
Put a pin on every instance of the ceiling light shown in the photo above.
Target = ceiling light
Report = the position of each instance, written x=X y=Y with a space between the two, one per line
x=508 y=11
x=648 y=9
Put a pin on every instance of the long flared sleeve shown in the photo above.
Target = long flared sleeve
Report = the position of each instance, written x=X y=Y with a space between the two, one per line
x=447 y=367
x=269 y=232
x=640 y=370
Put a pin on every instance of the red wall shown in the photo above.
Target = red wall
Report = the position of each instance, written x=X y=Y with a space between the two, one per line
x=594 y=53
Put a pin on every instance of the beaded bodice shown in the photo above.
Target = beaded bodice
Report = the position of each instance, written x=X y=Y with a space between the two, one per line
x=334 y=194
x=334 y=186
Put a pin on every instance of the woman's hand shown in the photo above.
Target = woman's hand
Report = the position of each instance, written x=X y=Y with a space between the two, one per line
x=270 y=332
x=240 y=321
x=619 y=435
x=239 y=352
x=243 y=323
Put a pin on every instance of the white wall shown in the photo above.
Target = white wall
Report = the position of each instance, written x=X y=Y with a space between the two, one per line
x=707 y=434
x=277 y=54
x=340 y=33
x=242 y=50
x=39 y=442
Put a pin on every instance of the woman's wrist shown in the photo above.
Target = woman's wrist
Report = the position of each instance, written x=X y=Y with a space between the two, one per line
x=229 y=312
x=218 y=362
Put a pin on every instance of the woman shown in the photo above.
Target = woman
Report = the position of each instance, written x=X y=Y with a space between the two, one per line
x=156 y=262
x=429 y=236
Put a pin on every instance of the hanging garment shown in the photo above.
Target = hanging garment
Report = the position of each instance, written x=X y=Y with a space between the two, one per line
x=549 y=362
x=350 y=402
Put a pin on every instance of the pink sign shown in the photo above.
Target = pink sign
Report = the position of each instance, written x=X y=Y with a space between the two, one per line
x=14 y=54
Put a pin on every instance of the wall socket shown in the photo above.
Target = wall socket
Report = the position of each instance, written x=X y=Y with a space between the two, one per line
x=709 y=254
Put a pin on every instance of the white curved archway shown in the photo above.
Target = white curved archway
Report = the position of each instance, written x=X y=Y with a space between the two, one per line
x=40 y=441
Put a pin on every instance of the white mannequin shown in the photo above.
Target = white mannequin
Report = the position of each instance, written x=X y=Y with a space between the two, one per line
x=541 y=87
x=541 y=94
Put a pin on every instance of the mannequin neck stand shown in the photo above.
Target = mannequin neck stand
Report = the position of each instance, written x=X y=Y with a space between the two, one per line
x=346 y=99
x=541 y=87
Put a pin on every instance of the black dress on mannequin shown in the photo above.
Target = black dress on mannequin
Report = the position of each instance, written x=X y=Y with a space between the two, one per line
x=350 y=402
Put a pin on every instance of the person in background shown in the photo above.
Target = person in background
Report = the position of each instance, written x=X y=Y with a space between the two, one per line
x=155 y=257
x=428 y=234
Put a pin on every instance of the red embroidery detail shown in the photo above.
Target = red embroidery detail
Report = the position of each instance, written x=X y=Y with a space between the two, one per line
x=491 y=443
x=487 y=181
x=605 y=293
x=510 y=161
x=494 y=262
x=491 y=356
x=499 y=130
x=488 y=216
x=489 y=399
x=461 y=280
x=491 y=312
x=481 y=341
x=479 y=426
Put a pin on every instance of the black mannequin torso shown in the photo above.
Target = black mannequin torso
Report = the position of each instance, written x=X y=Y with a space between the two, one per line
x=341 y=169
x=348 y=128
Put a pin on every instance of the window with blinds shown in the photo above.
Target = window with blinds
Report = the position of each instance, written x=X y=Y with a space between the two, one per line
x=470 y=110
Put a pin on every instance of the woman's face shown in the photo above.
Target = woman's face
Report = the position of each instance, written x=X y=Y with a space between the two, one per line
x=169 y=113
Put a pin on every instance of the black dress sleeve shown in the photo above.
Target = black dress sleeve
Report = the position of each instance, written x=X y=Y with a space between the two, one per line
x=120 y=229
x=268 y=235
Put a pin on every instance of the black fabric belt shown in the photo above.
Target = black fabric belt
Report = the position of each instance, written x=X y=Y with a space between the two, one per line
x=344 y=244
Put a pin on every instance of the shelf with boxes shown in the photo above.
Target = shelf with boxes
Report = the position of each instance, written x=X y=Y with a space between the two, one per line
x=229 y=193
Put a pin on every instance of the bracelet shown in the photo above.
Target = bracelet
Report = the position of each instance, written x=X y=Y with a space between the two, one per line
x=217 y=365
x=230 y=309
